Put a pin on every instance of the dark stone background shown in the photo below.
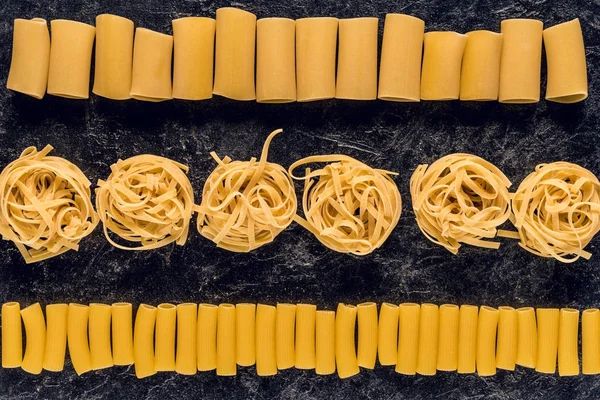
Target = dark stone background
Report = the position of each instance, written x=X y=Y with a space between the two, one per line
x=297 y=268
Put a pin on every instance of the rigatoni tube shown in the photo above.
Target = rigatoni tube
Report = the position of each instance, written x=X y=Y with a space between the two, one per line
x=345 y=350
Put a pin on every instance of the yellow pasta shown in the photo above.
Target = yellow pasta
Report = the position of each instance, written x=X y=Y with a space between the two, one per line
x=401 y=52
x=408 y=338
x=387 y=342
x=316 y=43
x=521 y=59
x=207 y=337
x=28 y=72
x=266 y=360
x=151 y=71
x=548 y=326
x=345 y=350
x=367 y=335
x=77 y=338
x=568 y=339
x=442 y=57
x=447 y=358
x=56 y=337
x=114 y=56
x=143 y=341
x=122 y=334
x=12 y=345
x=226 y=340
x=275 y=60
x=428 y=339
x=507 y=344
x=357 y=59
x=164 y=337
x=193 y=56
x=526 y=337
x=486 y=341
x=284 y=335
x=245 y=325
x=99 y=336
x=187 y=322
x=234 y=64
x=480 y=74
x=305 y=336
x=590 y=341
x=467 y=338
x=325 y=342
x=35 y=334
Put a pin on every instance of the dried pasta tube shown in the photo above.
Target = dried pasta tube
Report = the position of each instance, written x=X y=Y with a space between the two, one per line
x=305 y=336
x=345 y=350
x=442 y=58
x=193 y=58
x=316 y=42
x=367 y=335
x=508 y=330
x=35 y=333
x=467 y=338
x=207 y=337
x=480 y=74
x=486 y=341
x=325 y=342
x=521 y=61
x=548 y=325
x=275 y=60
x=77 y=338
x=447 y=358
x=226 y=340
x=401 y=53
x=234 y=65
x=565 y=56
x=590 y=341
x=568 y=339
x=245 y=326
x=387 y=343
x=428 y=339
x=151 y=74
x=408 y=338
x=99 y=336
x=56 y=337
x=284 y=335
x=70 y=59
x=357 y=59
x=122 y=333
x=28 y=72
x=185 y=357
x=526 y=337
x=12 y=335
x=114 y=57
x=143 y=341
x=266 y=362
x=164 y=337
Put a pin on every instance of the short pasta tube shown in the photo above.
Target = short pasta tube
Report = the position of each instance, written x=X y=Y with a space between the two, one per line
x=408 y=338
x=429 y=321
x=143 y=341
x=305 y=336
x=99 y=336
x=151 y=73
x=367 y=335
x=548 y=326
x=447 y=358
x=568 y=339
x=226 y=350
x=284 y=335
x=325 y=342
x=487 y=325
x=345 y=350
x=387 y=342
x=480 y=71
x=207 y=337
x=77 y=337
x=185 y=357
x=56 y=337
x=467 y=339
x=526 y=337
x=508 y=330
x=164 y=337
x=442 y=59
x=266 y=362
x=35 y=338
x=12 y=335
x=245 y=327
x=590 y=341
x=122 y=333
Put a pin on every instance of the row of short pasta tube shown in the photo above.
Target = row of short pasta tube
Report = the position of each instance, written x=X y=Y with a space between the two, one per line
x=187 y=338
x=296 y=60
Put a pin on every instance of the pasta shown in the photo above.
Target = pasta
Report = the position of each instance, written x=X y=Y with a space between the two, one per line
x=521 y=60
x=143 y=343
x=114 y=56
x=351 y=208
x=345 y=351
x=305 y=336
x=187 y=321
x=480 y=74
x=245 y=324
x=146 y=199
x=284 y=335
x=77 y=338
x=387 y=343
x=367 y=335
x=428 y=339
x=164 y=337
x=508 y=330
x=35 y=333
x=527 y=337
x=99 y=336
x=316 y=43
x=486 y=341
x=28 y=72
x=568 y=338
x=548 y=327
x=357 y=59
x=468 y=321
x=401 y=52
x=151 y=71
x=12 y=345
x=234 y=64
x=246 y=204
x=56 y=337
x=460 y=198
x=207 y=337
x=442 y=57
x=590 y=341
x=325 y=342
x=408 y=338
x=275 y=60
x=226 y=350
x=45 y=206
x=122 y=334
x=193 y=56
x=447 y=358
x=565 y=55
x=70 y=59
x=266 y=360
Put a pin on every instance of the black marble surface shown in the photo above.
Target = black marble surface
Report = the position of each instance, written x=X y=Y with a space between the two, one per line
x=297 y=268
